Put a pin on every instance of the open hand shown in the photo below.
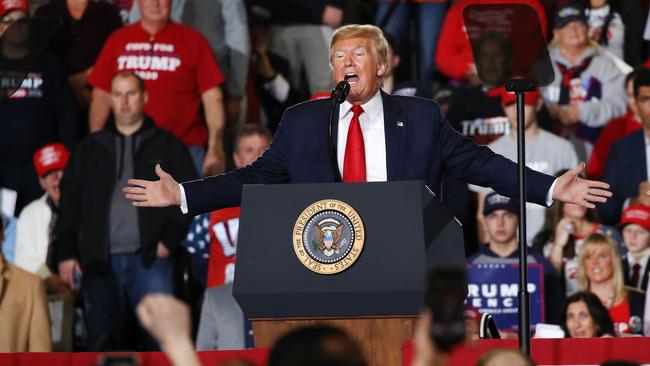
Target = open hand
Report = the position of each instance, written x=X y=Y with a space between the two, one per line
x=161 y=193
x=570 y=188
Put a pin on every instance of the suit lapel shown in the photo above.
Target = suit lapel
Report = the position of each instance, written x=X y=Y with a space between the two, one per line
x=644 y=275
x=335 y=136
x=395 y=125
x=335 y=125
x=626 y=270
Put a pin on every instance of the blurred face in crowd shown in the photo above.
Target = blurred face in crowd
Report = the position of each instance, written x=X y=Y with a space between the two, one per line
x=355 y=61
x=572 y=211
x=643 y=105
x=598 y=264
x=19 y=30
x=501 y=226
x=636 y=238
x=155 y=10
x=127 y=100
x=530 y=113
x=579 y=322
x=573 y=34
x=249 y=148
x=492 y=63
x=50 y=183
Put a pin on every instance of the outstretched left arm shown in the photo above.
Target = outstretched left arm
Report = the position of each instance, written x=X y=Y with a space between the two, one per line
x=570 y=188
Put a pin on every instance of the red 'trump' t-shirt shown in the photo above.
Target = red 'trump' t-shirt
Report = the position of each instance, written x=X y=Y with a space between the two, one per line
x=176 y=65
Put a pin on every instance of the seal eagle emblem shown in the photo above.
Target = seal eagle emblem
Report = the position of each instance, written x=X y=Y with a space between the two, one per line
x=328 y=236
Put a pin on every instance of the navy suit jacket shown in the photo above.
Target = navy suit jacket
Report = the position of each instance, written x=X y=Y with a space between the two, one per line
x=625 y=170
x=420 y=144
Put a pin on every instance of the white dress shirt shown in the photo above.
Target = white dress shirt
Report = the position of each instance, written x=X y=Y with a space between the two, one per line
x=374 y=139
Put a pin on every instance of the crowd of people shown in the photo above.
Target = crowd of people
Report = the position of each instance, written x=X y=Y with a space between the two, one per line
x=192 y=88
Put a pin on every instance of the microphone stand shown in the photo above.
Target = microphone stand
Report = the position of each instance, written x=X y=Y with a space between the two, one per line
x=520 y=87
x=338 y=96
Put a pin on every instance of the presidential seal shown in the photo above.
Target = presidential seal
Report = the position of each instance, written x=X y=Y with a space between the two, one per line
x=328 y=236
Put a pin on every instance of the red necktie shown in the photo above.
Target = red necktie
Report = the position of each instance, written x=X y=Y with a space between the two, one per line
x=354 y=163
x=636 y=269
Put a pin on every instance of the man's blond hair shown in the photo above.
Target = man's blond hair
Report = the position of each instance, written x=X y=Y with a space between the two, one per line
x=371 y=32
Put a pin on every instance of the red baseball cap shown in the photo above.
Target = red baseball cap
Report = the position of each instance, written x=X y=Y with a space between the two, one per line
x=9 y=5
x=508 y=98
x=51 y=157
x=636 y=214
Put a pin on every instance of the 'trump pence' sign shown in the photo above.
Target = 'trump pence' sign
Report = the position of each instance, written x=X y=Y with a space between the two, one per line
x=492 y=288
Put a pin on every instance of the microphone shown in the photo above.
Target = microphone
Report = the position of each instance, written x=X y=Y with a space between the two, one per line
x=340 y=92
x=338 y=96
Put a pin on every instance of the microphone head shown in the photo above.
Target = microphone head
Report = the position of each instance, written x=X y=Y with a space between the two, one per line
x=340 y=92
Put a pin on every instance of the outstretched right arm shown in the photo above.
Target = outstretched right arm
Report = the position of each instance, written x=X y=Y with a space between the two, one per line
x=161 y=193
x=218 y=191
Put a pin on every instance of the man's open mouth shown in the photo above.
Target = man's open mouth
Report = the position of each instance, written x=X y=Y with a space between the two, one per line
x=351 y=78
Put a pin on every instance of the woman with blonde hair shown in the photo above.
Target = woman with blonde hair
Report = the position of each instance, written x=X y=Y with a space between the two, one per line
x=600 y=272
x=565 y=229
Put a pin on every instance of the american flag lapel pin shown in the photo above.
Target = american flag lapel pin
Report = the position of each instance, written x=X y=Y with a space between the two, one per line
x=400 y=124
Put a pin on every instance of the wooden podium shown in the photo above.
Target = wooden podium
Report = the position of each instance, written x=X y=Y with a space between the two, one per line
x=378 y=297
x=380 y=339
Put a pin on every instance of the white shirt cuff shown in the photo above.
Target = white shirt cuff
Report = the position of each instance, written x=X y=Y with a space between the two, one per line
x=549 y=195
x=184 y=209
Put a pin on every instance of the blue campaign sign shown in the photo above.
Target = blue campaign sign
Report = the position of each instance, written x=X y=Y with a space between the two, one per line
x=492 y=288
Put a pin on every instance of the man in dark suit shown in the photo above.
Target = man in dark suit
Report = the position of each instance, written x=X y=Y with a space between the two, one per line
x=627 y=166
x=378 y=138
